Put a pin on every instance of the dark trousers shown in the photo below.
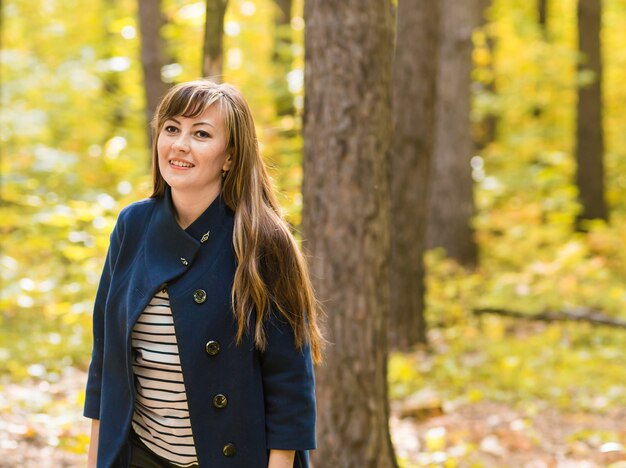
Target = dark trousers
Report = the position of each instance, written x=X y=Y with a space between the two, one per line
x=142 y=457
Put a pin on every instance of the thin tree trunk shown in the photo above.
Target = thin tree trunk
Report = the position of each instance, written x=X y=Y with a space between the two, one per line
x=212 y=58
x=542 y=12
x=282 y=58
x=414 y=84
x=150 y=23
x=451 y=196
x=589 y=130
x=1 y=48
x=111 y=79
x=485 y=131
x=347 y=123
x=1 y=25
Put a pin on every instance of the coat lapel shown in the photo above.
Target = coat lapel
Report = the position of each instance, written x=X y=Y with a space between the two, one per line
x=171 y=251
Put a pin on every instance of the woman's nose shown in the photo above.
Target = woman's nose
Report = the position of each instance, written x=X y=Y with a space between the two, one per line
x=181 y=143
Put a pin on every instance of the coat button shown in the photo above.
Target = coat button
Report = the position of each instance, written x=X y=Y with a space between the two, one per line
x=199 y=296
x=212 y=348
x=220 y=401
x=184 y=261
x=229 y=450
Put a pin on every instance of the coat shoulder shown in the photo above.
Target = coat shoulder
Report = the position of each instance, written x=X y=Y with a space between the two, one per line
x=132 y=221
x=136 y=214
x=138 y=210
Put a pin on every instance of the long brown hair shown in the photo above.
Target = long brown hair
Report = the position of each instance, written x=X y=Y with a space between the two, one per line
x=271 y=270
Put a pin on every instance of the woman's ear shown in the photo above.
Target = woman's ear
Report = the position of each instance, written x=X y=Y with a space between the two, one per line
x=227 y=163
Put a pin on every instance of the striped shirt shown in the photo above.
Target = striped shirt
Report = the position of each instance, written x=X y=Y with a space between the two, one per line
x=161 y=418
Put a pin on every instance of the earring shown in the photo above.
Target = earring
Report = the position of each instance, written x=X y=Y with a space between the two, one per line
x=224 y=174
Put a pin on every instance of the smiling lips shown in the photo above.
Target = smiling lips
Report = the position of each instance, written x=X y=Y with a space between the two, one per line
x=179 y=163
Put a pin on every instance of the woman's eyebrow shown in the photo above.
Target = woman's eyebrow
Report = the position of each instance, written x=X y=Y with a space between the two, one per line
x=204 y=123
x=197 y=123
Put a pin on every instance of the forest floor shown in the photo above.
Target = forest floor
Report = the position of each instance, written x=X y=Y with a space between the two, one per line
x=41 y=426
x=486 y=434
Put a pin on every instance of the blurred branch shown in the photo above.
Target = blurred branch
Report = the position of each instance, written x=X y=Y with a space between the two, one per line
x=579 y=314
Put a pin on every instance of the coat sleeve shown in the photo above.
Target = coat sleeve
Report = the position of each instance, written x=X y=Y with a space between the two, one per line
x=94 y=376
x=289 y=389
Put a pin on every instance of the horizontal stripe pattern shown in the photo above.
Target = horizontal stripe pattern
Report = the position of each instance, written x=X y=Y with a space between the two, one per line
x=161 y=418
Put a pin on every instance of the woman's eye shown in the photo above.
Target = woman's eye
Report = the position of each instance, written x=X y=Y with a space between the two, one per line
x=202 y=134
x=170 y=129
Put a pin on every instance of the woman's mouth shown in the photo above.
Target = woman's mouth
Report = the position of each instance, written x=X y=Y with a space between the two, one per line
x=182 y=164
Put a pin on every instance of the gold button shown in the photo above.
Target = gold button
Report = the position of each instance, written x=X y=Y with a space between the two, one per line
x=184 y=261
x=212 y=348
x=199 y=296
x=220 y=401
x=228 y=450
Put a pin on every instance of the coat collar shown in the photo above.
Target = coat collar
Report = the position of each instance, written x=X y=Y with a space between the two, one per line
x=170 y=249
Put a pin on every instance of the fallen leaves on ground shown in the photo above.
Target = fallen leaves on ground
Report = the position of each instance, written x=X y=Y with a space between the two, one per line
x=41 y=425
x=487 y=434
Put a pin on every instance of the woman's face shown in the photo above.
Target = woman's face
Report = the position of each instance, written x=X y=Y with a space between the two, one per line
x=192 y=152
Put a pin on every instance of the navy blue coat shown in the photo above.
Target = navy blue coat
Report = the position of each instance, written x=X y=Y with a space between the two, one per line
x=271 y=401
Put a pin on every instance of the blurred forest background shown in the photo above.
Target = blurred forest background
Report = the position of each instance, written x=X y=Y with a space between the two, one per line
x=517 y=353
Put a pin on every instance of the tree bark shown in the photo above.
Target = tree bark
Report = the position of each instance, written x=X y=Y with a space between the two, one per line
x=150 y=23
x=414 y=86
x=347 y=124
x=212 y=57
x=589 y=129
x=451 y=196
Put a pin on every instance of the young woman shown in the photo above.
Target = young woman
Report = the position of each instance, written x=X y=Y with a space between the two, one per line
x=205 y=322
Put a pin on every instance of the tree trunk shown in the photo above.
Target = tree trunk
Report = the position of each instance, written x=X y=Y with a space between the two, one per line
x=485 y=131
x=282 y=58
x=451 y=197
x=542 y=12
x=347 y=124
x=212 y=58
x=414 y=85
x=150 y=22
x=111 y=79
x=589 y=131
x=1 y=29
